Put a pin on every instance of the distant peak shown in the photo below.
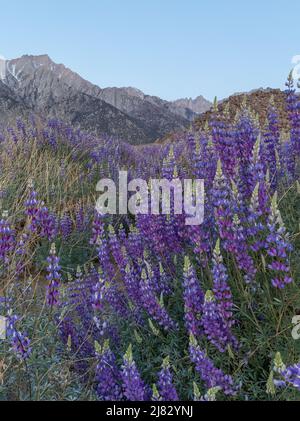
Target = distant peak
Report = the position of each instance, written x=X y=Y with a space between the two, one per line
x=42 y=59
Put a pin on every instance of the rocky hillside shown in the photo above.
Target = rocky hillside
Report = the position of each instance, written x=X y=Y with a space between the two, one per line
x=52 y=90
x=257 y=101
x=11 y=105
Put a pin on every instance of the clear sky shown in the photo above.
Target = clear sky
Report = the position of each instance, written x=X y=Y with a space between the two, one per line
x=169 y=48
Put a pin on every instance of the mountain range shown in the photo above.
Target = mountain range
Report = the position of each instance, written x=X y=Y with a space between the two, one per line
x=35 y=85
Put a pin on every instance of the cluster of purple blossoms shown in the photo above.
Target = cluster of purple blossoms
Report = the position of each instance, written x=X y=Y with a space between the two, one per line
x=151 y=304
x=255 y=222
x=107 y=375
x=216 y=327
x=193 y=299
x=134 y=388
x=244 y=260
x=53 y=277
x=211 y=376
x=20 y=343
x=7 y=239
x=165 y=387
x=48 y=223
x=271 y=141
x=97 y=228
x=290 y=377
x=32 y=206
x=278 y=247
x=293 y=108
x=98 y=296
x=221 y=289
x=223 y=207
x=66 y=226
x=40 y=219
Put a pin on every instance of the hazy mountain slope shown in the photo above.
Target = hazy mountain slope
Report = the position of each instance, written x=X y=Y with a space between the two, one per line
x=190 y=108
x=11 y=106
x=123 y=112
x=153 y=113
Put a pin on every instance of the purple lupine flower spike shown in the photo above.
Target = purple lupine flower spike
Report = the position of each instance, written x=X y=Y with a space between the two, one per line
x=165 y=386
x=107 y=376
x=278 y=247
x=66 y=226
x=32 y=205
x=20 y=343
x=212 y=376
x=193 y=299
x=151 y=304
x=133 y=386
x=221 y=288
x=215 y=325
x=7 y=238
x=53 y=277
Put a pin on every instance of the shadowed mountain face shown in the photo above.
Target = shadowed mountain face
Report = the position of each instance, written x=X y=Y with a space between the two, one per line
x=38 y=85
x=11 y=106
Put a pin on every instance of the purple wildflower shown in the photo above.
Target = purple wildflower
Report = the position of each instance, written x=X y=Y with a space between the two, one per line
x=53 y=277
x=7 y=238
x=165 y=386
x=108 y=377
x=212 y=376
x=193 y=299
x=152 y=305
x=133 y=386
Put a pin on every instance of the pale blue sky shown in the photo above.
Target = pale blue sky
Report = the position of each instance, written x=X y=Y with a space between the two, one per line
x=169 y=48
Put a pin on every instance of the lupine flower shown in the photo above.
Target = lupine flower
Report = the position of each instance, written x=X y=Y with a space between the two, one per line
x=20 y=343
x=134 y=388
x=48 y=223
x=278 y=246
x=98 y=295
x=7 y=238
x=108 y=376
x=216 y=327
x=152 y=305
x=271 y=140
x=244 y=260
x=80 y=219
x=255 y=222
x=193 y=299
x=66 y=226
x=115 y=247
x=224 y=207
x=211 y=376
x=221 y=288
x=293 y=107
x=165 y=386
x=97 y=229
x=53 y=277
x=290 y=377
x=32 y=205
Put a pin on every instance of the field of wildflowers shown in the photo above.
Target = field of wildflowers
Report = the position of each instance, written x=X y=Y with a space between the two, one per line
x=148 y=308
